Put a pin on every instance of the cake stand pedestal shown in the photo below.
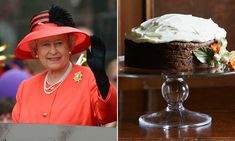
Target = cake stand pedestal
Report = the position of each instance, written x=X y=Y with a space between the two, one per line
x=175 y=91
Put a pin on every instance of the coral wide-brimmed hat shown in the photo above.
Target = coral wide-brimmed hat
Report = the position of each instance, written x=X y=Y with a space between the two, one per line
x=52 y=22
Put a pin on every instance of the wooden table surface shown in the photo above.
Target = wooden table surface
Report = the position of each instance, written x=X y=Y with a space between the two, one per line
x=218 y=102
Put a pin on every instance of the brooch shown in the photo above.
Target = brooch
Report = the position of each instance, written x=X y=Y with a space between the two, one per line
x=77 y=76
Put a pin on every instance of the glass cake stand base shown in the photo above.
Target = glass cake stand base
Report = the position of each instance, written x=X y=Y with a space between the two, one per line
x=175 y=91
x=181 y=118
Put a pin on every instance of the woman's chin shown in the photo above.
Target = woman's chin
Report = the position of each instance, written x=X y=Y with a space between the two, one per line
x=55 y=67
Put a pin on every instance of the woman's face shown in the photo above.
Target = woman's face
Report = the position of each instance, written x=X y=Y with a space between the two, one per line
x=53 y=52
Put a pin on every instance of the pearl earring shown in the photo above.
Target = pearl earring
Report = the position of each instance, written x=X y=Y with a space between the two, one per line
x=36 y=56
x=70 y=52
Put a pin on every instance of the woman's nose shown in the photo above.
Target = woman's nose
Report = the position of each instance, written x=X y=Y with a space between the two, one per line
x=53 y=49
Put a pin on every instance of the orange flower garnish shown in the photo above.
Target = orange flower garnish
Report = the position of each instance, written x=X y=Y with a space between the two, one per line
x=232 y=63
x=215 y=47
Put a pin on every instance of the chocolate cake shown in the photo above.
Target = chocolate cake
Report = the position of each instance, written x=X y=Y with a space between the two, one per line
x=170 y=56
x=167 y=42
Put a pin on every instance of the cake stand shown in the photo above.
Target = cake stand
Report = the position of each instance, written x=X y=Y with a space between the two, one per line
x=175 y=91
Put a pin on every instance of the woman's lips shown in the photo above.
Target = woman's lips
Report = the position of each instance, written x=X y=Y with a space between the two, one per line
x=54 y=59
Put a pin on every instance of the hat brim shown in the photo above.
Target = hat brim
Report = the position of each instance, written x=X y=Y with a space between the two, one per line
x=81 y=40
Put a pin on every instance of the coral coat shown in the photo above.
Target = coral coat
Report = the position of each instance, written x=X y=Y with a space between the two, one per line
x=77 y=103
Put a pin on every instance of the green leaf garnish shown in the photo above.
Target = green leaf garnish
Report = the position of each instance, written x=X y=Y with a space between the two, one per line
x=204 y=55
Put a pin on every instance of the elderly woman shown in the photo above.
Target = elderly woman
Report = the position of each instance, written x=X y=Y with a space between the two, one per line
x=65 y=93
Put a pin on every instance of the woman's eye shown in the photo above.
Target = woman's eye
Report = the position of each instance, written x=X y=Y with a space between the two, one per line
x=59 y=43
x=45 y=44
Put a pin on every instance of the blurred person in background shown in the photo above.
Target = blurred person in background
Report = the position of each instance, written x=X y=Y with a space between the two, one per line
x=9 y=83
x=65 y=93
x=12 y=74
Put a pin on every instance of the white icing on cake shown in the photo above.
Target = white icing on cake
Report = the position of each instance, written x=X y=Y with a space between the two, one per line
x=176 y=27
